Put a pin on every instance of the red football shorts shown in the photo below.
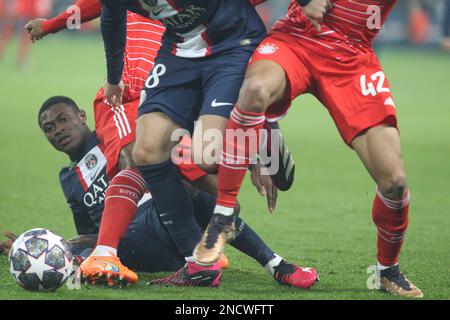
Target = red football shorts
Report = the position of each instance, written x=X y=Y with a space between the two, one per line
x=352 y=87
x=116 y=128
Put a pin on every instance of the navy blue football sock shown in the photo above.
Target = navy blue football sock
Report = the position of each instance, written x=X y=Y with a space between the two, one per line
x=204 y=203
x=247 y=241
x=174 y=205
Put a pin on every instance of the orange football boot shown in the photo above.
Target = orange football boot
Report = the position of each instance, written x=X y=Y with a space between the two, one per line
x=223 y=261
x=107 y=269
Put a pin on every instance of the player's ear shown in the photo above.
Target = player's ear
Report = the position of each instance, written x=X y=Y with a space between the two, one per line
x=83 y=116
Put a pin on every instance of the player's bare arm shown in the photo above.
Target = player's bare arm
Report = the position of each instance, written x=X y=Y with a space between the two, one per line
x=39 y=28
x=113 y=27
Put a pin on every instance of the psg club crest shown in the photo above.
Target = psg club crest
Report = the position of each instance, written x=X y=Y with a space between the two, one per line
x=91 y=160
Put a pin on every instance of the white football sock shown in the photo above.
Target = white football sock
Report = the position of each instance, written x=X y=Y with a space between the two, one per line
x=272 y=264
x=381 y=267
x=225 y=211
x=104 y=251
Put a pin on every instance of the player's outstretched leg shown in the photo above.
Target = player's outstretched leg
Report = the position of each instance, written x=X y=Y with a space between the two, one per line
x=265 y=83
x=379 y=149
x=121 y=200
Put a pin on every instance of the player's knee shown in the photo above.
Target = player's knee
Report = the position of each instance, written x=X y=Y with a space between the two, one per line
x=255 y=96
x=394 y=185
x=148 y=154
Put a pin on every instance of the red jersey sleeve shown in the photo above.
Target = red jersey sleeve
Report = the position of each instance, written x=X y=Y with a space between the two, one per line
x=89 y=10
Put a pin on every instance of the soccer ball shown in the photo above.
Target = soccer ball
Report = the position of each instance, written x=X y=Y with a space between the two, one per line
x=39 y=260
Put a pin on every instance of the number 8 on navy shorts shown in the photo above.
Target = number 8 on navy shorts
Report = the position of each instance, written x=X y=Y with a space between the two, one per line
x=185 y=89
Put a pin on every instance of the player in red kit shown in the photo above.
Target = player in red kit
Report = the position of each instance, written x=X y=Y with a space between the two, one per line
x=12 y=14
x=331 y=58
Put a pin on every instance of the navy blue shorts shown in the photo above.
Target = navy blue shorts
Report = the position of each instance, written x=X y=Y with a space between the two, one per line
x=147 y=246
x=185 y=89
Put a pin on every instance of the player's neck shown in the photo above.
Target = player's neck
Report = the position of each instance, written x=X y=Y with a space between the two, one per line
x=80 y=152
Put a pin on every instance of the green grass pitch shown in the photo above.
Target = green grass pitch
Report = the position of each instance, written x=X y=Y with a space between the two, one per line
x=324 y=221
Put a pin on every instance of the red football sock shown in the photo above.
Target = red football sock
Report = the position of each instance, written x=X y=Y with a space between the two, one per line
x=240 y=148
x=122 y=196
x=391 y=219
x=8 y=30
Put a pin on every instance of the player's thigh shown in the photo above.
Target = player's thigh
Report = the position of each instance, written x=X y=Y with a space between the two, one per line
x=277 y=74
x=222 y=81
x=358 y=96
x=147 y=244
x=207 y=141
x=154 y=138
x=173 y=88
x=356 y=93
x=126 y=157
x=380 y=151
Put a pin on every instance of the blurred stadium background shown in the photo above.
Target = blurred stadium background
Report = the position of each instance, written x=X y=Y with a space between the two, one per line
x=421 y=22
x=322 y=222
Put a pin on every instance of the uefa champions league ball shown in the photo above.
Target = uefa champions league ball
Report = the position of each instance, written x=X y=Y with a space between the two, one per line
x=40 y=260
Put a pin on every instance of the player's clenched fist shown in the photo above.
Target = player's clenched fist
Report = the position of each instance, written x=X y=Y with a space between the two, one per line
x=35 y=30
x=113 y=93
x=315 y=10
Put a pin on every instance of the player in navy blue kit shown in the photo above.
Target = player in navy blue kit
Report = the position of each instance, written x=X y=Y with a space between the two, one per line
x=147 y=245
x=197 y=75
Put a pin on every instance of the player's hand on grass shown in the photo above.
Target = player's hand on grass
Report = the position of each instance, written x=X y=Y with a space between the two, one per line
x=83 y=240
x=315 y=11
x=265 y=186
x=113 y=93
x=35 y=30
x=5 y=245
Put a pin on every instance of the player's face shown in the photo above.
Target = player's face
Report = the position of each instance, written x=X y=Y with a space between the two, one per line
x=64 y=127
